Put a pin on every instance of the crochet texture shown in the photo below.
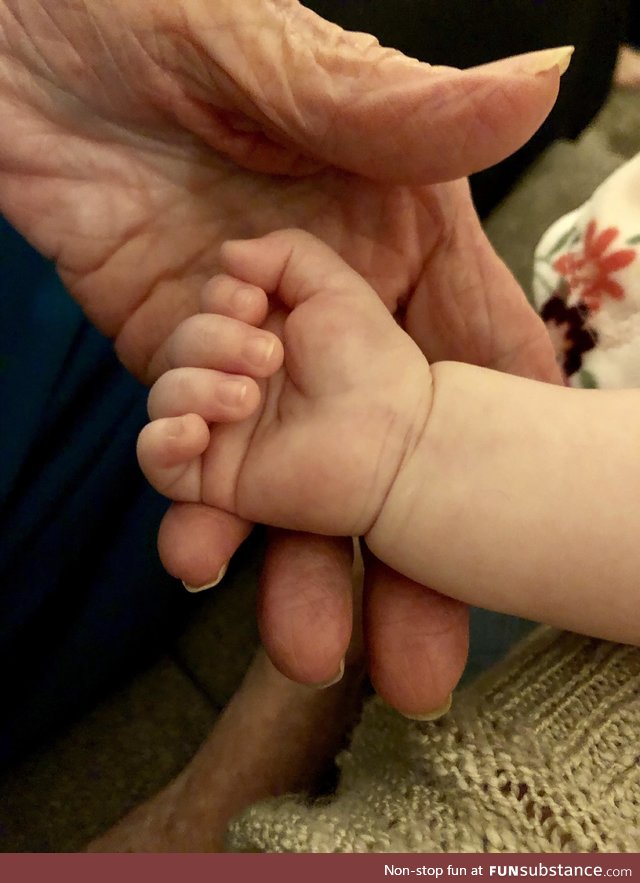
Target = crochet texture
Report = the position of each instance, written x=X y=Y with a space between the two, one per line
x=539 y=755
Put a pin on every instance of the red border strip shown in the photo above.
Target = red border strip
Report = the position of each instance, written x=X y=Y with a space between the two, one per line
x=196 y=868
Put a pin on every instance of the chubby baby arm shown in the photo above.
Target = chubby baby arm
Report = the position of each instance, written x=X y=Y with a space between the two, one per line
x=523 y=497
x=503 y=492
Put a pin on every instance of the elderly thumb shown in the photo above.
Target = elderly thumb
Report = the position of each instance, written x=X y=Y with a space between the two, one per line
x=278 y=89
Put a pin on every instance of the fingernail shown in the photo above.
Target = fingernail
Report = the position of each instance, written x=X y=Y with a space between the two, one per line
x=232 y=392
x=432 y=715
x=334 y=680
x=218 y=579
x=545 y=60
x=259 y=350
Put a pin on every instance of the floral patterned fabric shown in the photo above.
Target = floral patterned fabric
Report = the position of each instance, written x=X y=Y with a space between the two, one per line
x=586 y=284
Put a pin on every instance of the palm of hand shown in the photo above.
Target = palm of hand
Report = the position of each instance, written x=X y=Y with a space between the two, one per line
x=335 y=423
x=133 y=206
x=137 y=230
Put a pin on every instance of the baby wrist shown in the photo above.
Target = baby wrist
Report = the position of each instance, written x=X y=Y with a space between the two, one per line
x=404 y=535
x=406 y=507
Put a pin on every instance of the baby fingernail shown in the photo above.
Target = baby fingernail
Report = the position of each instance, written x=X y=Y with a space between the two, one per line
x=259 y=350
x=195 y=589
x=232 y=392
x=432 y=715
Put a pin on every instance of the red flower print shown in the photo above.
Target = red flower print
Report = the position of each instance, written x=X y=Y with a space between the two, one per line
x=588 y=272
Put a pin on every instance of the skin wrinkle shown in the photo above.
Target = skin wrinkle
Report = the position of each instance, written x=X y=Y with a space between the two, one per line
x=519 y=344
x=285 y=154
x=201 y=74
x=191 y=63
x=469 y=322
x=161 y=275
x=93 y=237
x=397 y=220
x=318 y=611
x=290 y=55
x=180 y=296
x=193 y=471
x=294 y=119
x=131 y=233
x=371 y=45
x=415 y=233
x=409 y=693
x=428 y=674
x=163 y=87
x=415 y=433
x=452 y=616
x=455 y=311
x=110 y=129
x=464 y=107
x=78 y=66
x=19 y=20
x=506 y=355
x=116 y=68
x=251 y=79
x=482 y=120
x=377 y=475
x=398 y=527
x=155 y=88
x=312 y=571
x=15 y=80
x=356 y=103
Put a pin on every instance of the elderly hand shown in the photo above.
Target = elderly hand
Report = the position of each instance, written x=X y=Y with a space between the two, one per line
x=137 y=137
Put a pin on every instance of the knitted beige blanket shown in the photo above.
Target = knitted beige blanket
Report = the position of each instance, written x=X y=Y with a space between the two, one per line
x=540 y=755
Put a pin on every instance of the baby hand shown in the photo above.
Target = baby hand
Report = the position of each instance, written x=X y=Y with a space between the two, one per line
x=309 y=436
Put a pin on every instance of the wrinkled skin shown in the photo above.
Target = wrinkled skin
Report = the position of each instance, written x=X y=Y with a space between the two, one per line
x=137 y=137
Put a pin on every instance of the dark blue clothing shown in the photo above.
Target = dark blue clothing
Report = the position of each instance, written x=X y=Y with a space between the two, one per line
x=83 y=596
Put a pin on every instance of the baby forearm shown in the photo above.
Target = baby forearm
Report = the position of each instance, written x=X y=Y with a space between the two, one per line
x=525 y=498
